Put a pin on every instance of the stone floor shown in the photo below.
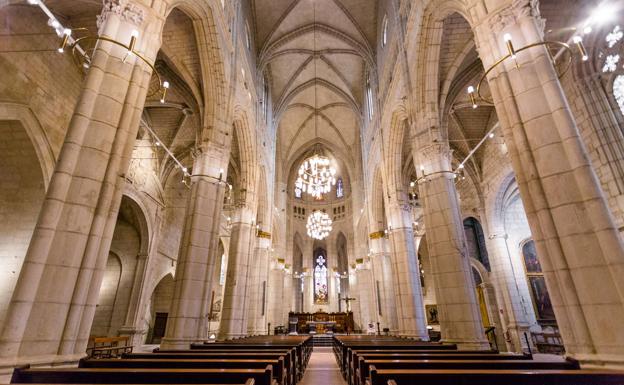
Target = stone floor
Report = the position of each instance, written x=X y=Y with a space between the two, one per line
x=322 y=369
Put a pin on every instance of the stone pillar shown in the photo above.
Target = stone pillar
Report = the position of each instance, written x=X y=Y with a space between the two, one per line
x=513 y=308
x=603 y=136
x=407 y=288
x=198 y=257
x=382 y=273
x=52 y=308
x=234 y=314
x=275 y=295
x=458 y=309
x=259 y=283
x=366 y=299
x=390 y=305
x=134 y=325
x=578 y=244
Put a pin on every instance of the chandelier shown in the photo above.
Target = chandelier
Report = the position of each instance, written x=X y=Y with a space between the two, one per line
x=319 y=225
x=316 y=176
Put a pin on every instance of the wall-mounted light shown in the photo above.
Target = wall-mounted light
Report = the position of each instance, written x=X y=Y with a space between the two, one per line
x=581 y=48
x=510 y=47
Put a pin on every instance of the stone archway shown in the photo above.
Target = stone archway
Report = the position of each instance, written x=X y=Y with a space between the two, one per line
x=160 y=307
x=22 y=191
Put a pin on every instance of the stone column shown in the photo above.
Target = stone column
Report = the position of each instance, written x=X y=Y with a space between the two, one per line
x=275 y=294
x=407 y=288
x=234 y=314
x=134 y=325
x=605 y=141
x=458 y=309
x=52 y=308
x=580 y=250
x=366 y=299
x=513 y=308
x=198 y=257
x=390 y=303
x=382 y=273
x=259 y=282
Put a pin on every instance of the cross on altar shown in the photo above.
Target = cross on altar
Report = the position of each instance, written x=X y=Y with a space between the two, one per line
x=347 y=302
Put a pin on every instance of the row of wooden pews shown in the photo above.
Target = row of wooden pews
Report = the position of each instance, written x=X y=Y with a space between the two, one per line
x=366 y=360
x=259 y=360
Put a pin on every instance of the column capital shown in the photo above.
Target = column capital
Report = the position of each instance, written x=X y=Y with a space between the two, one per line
x=126 y=10
x=513 y=13
x=434 y=157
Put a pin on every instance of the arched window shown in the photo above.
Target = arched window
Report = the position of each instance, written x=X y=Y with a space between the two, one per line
x=537 y=284
x=223 y=270
x=321 y=292
x=247 y=36
x=339 y=189
x=618 y=91
x=476 y=241
x=369 y=100
x=384 y=32
x=265 y=100
x=609 y=61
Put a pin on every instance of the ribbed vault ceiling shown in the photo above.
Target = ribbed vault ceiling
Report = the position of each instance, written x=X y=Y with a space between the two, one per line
x=315 y=52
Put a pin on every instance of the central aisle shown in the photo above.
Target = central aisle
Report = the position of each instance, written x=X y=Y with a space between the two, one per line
x=322 y=369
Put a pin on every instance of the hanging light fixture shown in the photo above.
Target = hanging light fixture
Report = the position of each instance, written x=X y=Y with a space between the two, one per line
x=319 y=225
x=316 y=174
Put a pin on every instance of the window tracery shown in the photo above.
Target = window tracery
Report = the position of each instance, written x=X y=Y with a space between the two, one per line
x=384 y=32
x=610 y=63
x=339 y=189
x=320 y=278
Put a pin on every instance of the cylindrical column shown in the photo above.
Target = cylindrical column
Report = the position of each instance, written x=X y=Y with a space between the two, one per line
x=64 y=264
x=234 y=315
x=458 y=310
x=580 y=250
x=187 y=321
x=258 y=290
x=407 y=288
x=275 y=297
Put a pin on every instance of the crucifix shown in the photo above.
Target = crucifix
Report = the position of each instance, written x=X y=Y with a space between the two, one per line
x=347 y=302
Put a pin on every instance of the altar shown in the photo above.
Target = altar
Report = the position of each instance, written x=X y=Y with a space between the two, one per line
x=322 y=327
x=322 y=322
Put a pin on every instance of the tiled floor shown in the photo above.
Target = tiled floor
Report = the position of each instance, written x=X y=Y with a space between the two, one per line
x=322 y=369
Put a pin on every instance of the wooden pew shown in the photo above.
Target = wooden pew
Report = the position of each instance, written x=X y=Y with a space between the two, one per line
x=359 y=356
x=342 y=346
x=346 y=356
x=302 y=344
x=493 y=377
x=188 y=354
x=293 y=359
x=141 y=376
x=279 y=370
x=364 y=368
x=302 y=348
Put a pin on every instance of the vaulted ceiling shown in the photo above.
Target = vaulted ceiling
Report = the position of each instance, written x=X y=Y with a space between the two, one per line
x=315 y=54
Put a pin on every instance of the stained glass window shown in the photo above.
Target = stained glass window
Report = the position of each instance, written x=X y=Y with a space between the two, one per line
x=384 y=32
x=223 y=270
x=618 y=91
x=369 y=100
x=339 y=188
x=298 y=193
x=320 y=279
